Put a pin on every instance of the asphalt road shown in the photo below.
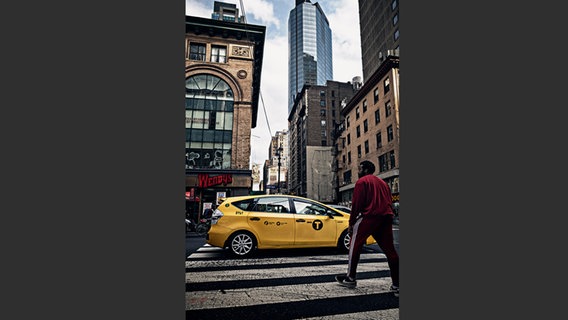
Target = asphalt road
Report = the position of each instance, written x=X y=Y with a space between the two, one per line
x=285 y=284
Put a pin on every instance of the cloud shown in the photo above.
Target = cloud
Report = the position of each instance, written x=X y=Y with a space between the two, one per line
x=344 y=23
x=273 y=114
x=261 y=10
x=198 y=8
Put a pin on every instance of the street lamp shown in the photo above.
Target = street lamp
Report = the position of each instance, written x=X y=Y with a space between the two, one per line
x=279 y=154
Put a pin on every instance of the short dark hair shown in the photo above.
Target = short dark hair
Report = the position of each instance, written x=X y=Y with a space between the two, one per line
x=368 y=165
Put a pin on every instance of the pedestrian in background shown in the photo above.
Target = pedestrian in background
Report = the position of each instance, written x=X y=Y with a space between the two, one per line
x=371 y=214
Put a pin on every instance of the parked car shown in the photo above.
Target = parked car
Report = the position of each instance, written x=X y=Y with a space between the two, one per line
x=340 y=207
x=244 y=224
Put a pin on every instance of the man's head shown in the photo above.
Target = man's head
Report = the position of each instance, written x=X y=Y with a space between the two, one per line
x=365 y=168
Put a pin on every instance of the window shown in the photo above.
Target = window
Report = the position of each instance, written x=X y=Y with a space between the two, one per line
x=395 y=19
x=197 y=51
x=383 y=163
x=272 y=204
x=219 y=54
x=347 y=177
x=379 y=140
x=324 y=143
x=323 y=123
x=343 y=144
x=359 y=151
x=343 y=159
x=347 y=121
x=333 y=93
x=392 y=159
x=365 y=126
x=304 y=207
x=209 y=122
x=358 y=131
x=244 y=204
x=396 y=35
x=322 y=103
x=357 y=113
x=376 y=95
x=388 y=110
x=322 y=93
x=348 y=138
x=349 y=157
x=333 y=104
x=333 y=113
x=323 y=133
x=386 y=85
x=390 y=135
x=366 y=146
x=322 y=112
x=364 y=106
x=377 y=116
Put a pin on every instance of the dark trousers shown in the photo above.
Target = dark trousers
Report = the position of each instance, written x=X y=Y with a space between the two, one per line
x=380 y=227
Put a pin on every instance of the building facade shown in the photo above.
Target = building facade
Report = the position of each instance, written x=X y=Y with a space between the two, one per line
x=371 y=131
x=312 y=124
x=378 y=22
x=277 y=166
x=310 y=48
x=222 y=79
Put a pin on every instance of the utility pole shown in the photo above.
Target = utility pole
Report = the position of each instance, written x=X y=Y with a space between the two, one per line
x=279 y=154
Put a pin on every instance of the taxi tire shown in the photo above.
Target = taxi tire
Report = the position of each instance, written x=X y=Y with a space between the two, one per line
x=343 y=242
x=242 y=244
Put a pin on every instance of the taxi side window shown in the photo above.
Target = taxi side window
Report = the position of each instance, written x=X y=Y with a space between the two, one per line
x=309 y=208
x=272 y=204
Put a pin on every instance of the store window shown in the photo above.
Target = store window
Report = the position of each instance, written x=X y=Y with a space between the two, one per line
x=208 y=122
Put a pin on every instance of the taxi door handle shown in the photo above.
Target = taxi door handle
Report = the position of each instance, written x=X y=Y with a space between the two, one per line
x=254 y=218
x=300 y=220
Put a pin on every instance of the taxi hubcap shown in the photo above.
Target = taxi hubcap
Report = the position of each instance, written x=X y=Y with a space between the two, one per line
x=241 y=244
x=346 y=241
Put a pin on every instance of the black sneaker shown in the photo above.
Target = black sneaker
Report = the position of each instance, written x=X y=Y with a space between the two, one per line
x=394 y=290
x=345 y=281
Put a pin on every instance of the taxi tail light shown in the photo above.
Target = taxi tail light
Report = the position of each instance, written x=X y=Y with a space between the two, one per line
x=217 y=214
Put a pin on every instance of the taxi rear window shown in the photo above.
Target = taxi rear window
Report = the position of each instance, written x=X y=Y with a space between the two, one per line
x=243 y=204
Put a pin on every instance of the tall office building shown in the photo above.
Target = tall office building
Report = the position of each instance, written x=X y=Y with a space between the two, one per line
x=309 y=44
x=378 y=22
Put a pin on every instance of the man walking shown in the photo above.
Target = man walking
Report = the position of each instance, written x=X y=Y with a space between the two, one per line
x=371 y=214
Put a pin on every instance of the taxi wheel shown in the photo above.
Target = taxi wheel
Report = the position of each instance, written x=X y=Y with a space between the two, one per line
x=344 y=241
x=242 y=244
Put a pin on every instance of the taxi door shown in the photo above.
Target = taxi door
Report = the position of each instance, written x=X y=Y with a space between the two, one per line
x=272 y=220
x=313 y=227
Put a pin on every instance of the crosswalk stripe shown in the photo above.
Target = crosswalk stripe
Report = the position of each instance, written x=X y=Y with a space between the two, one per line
x=242 y=288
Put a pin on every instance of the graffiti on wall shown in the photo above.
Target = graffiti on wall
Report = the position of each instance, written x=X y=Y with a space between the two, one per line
x=210 y=159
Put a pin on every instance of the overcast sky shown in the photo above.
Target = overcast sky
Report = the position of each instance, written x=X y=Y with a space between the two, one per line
x=343 y=16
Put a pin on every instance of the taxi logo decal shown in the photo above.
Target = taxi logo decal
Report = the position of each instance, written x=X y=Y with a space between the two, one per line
x=277 y=223
x=317 y=224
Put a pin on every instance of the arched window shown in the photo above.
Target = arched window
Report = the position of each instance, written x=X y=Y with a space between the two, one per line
x=208 y=122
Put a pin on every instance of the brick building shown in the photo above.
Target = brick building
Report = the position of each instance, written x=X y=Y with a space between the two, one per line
x=371 y=130
x=222 y=78
x=312 y=125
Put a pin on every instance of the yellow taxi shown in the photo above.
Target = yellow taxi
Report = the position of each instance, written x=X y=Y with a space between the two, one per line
x=244 y=224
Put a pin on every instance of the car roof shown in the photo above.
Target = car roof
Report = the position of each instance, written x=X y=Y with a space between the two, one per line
x=238 y=198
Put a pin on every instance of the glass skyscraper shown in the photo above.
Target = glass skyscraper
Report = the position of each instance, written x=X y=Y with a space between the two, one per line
x=309 y=44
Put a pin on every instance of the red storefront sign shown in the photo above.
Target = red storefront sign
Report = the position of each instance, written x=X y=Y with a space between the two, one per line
x=206 y=181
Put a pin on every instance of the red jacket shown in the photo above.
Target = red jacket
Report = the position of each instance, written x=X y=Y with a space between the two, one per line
x=371 y=196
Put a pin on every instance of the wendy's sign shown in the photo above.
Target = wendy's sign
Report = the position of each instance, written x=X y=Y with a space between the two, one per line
x=206 y=181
